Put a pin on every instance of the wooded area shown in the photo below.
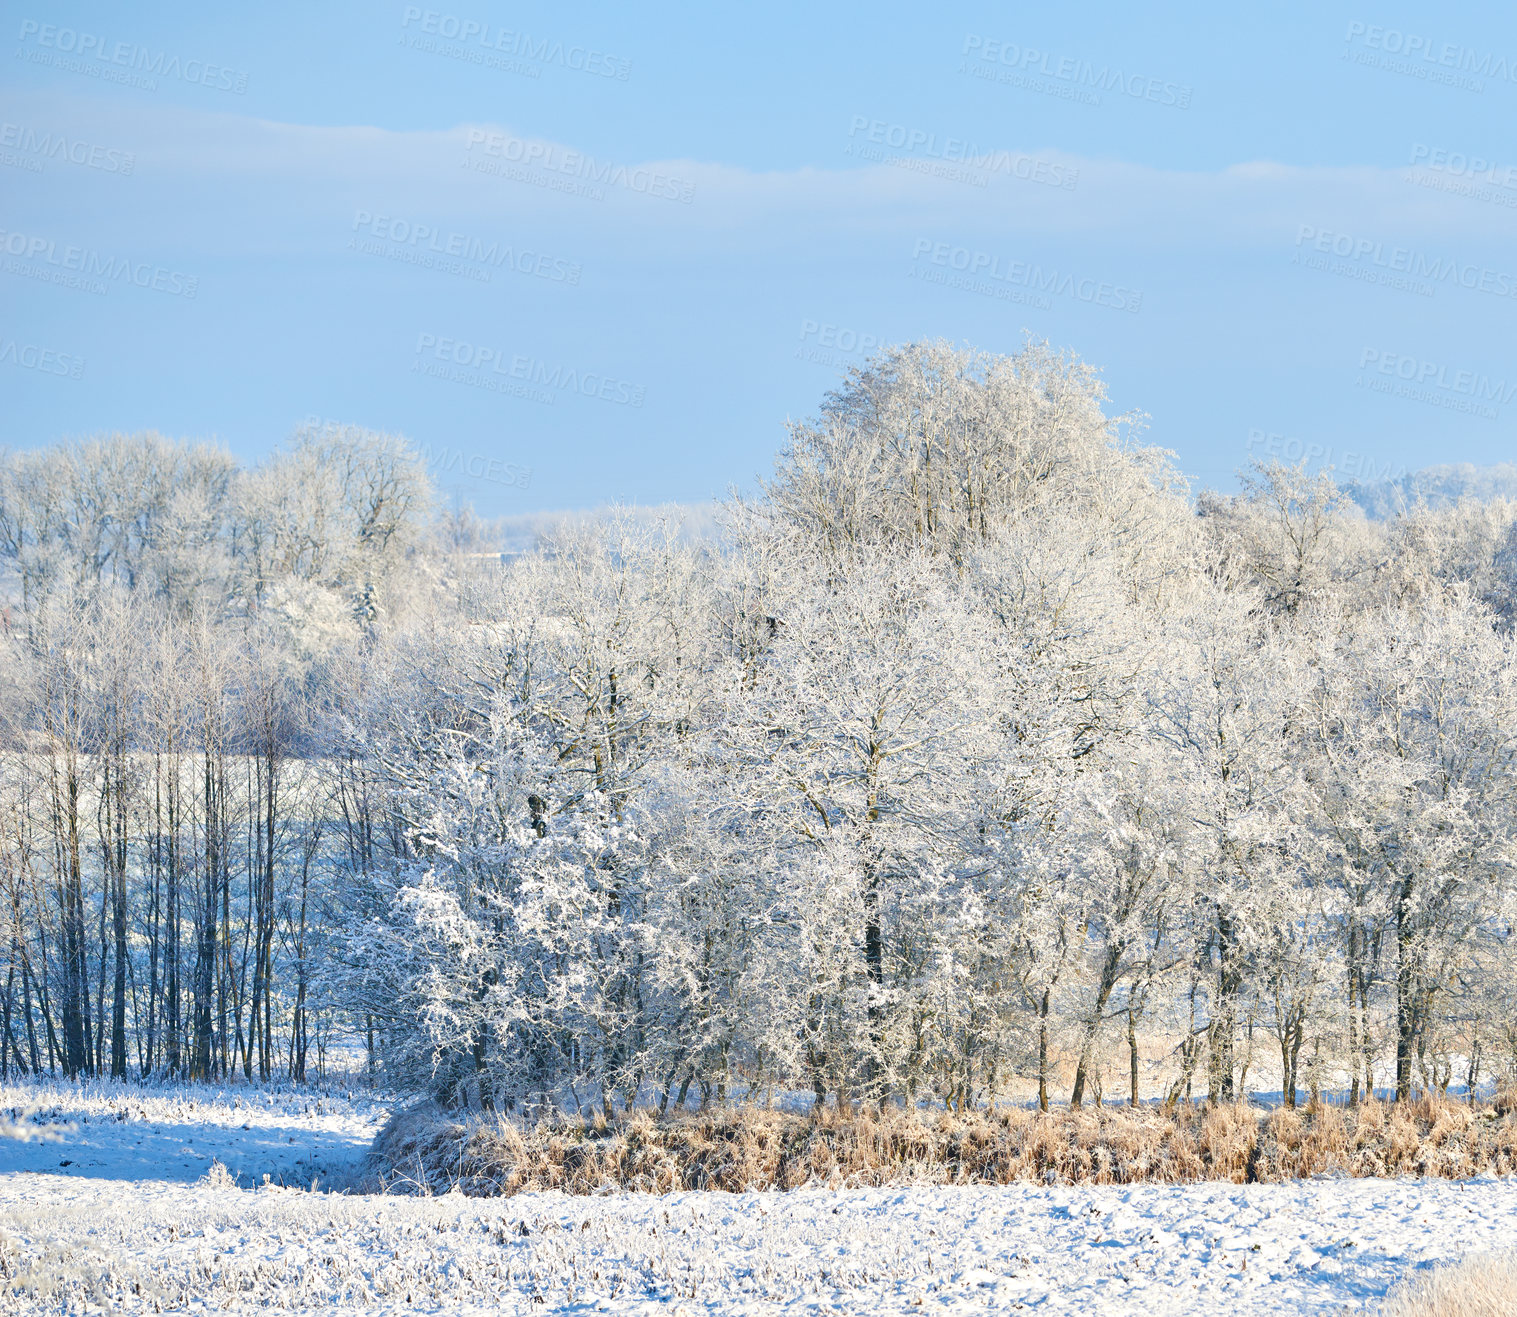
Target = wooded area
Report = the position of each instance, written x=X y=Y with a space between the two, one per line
x=975 y=755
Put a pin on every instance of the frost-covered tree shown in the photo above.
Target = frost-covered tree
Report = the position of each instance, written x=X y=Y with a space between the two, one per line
x=971 y=757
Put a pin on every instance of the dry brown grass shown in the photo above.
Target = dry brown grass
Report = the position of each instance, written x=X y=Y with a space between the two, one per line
x=425 y=1150
x=1482 y=1286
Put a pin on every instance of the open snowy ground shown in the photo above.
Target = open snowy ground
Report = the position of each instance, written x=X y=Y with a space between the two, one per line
x=106 y=1204
x=104 y=1131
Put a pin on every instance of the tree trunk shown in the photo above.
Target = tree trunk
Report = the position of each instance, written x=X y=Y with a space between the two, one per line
x=1043 y=1049
x=1092 y=1026
x=1224 y=1018
x=1132 y=1055
x=1406 y=1009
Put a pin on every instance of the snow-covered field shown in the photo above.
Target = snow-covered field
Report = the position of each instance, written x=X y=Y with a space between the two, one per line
x=110 y=1201
x=101 y=1131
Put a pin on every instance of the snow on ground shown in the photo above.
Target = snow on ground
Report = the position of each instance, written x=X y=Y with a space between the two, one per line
x=109 y=1213
x=108 y=1131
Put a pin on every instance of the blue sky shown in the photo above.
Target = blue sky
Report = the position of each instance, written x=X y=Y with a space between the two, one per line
x=602 y=252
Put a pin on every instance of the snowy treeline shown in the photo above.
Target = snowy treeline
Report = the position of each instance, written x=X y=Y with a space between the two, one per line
x=974 y=753
x=1435 y=487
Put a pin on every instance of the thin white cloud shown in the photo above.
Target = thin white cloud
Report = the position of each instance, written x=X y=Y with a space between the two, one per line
x=473 y=173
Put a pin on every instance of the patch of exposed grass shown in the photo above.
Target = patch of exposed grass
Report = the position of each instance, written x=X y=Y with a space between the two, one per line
x=1481 y=1286
x=427 y=1150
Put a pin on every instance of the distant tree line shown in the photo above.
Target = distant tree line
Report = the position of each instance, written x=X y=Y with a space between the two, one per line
x=973 y=755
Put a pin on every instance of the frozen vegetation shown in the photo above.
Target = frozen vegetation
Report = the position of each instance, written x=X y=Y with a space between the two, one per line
x=127 y=1198
x=976 y=758
x=973 y=762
